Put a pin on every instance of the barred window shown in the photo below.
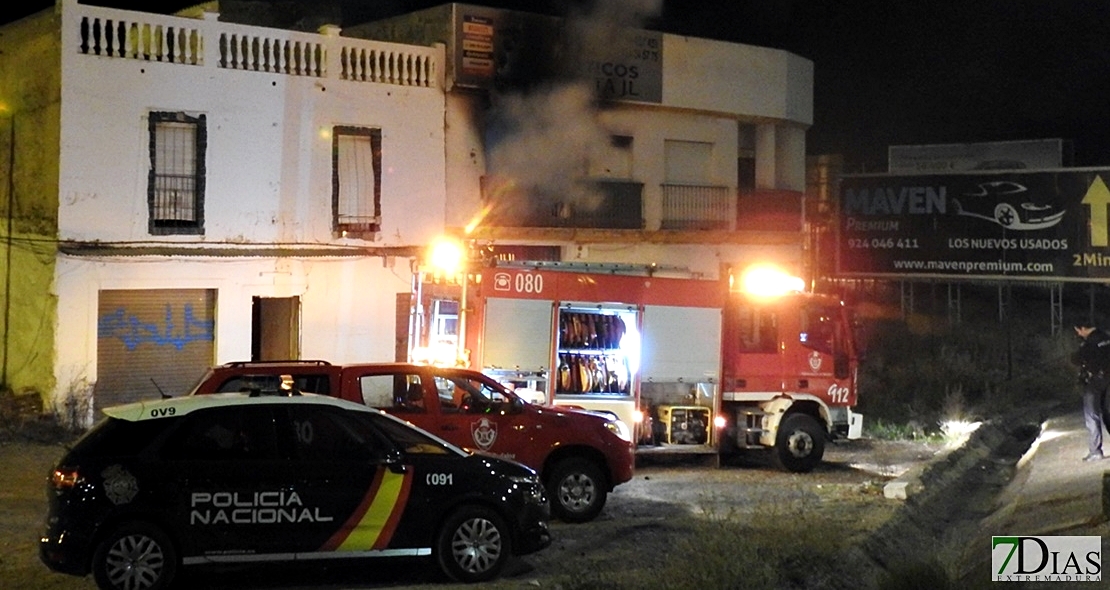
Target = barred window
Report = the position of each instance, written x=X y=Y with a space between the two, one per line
x=356 y=181
x=175 y=188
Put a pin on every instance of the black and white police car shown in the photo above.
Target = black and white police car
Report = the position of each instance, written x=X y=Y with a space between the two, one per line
x=241 y=479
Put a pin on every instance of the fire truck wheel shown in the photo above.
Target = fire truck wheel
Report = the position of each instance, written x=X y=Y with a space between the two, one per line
x=577 y=489
x=800 y=443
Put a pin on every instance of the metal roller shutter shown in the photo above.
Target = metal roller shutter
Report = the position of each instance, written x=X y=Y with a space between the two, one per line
x=148 y=337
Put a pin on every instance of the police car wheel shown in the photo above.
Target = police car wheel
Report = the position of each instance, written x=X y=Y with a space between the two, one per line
x=473 y=545
x=134 y=556
x=800 y=443
x=577 y=488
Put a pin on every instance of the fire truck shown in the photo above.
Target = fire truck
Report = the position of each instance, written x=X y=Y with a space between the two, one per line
x=696 y=365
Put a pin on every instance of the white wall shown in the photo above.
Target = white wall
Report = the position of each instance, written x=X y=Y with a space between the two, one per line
x=268 y=183
x=268 y=156
x=757 y=82
x=347 y=304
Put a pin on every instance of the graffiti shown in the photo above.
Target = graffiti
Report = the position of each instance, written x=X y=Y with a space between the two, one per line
x=133 y=331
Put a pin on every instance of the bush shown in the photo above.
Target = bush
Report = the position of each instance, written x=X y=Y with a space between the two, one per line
x=924 y=370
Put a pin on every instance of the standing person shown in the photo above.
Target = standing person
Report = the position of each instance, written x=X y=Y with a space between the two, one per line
x=1093 y=360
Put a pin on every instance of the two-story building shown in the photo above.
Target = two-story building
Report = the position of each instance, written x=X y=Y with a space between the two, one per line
x=609 y=143
x=181 y=191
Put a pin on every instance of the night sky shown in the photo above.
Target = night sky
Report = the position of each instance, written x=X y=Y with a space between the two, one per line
x=888 y=72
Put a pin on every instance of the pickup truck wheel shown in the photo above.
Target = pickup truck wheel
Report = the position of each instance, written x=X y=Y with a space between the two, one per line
x=473 y=545
x=800 y=443
x=134 y=556
x=578 y=490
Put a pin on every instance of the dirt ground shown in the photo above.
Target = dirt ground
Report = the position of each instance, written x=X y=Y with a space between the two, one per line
x=642 y=524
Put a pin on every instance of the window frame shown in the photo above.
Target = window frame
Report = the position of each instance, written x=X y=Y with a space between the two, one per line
x=164 y=227
x=363 y=230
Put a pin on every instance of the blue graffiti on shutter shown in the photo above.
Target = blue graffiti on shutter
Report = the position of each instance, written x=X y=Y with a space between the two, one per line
x=133 y=331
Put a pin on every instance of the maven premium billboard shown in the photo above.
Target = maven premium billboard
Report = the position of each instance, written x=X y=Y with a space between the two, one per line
x=1049 y=224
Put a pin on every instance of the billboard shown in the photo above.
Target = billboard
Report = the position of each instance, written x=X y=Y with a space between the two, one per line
x=1031 y=154
x=1036 y=225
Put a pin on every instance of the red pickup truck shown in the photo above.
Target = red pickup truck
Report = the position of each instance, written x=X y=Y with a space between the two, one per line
x=579 y=455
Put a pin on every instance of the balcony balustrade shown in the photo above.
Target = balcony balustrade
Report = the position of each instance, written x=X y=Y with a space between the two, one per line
x=688 y=206
x=113 y=33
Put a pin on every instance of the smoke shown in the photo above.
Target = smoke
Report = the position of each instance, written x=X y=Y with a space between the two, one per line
x=545 y=139
x=539 y=136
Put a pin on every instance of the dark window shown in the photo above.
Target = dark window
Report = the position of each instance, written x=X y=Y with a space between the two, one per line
x=270 y=383
x=233 y=433
x=407 y=438
x=328 y=434
x=818 y=329
x=113 y=437
x=758 y=329
x=356 y=181
x=175 y=188
x=460 y=394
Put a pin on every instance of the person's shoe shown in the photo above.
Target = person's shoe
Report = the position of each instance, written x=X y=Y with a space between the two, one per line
x=1093 y=457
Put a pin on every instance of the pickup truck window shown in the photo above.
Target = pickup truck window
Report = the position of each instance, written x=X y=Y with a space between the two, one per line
x=469 y=396
x=271 y=383
x=400 y=392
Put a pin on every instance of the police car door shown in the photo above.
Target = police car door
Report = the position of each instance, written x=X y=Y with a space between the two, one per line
x=228 y=483
x=351 y=498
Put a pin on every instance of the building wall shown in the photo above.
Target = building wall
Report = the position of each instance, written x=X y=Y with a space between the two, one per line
x=29 y=129
x=744 y=80
x=269 y=146
x=269 y=187
x=347 y=306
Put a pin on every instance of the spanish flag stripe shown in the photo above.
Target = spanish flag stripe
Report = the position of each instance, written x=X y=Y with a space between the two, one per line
x=369 y=529
x=356 y=515
x=395 y=516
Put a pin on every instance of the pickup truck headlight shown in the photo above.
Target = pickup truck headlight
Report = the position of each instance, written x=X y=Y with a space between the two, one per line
x=619 y=428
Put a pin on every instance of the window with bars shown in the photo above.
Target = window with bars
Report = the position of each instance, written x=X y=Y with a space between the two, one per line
x=356 y=181
x=175 y=188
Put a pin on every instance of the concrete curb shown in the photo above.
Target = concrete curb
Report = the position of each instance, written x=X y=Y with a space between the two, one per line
x=944 y=501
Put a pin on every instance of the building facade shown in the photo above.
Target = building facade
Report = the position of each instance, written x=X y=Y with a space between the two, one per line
x=611 y=143
x=183 y=191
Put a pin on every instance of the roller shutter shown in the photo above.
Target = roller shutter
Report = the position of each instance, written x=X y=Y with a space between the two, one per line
x=681 y=344
x=152 y=339
x=517 y=334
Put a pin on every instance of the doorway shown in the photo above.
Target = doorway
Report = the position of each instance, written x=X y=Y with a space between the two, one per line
x=275 y=328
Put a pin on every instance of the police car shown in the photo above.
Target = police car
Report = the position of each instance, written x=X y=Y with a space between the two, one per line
x=246 y=479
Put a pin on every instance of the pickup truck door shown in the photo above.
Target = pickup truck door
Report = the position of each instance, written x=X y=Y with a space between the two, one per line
x=482 y=416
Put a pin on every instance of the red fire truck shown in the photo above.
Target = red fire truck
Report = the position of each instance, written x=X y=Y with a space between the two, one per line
x=696 y=365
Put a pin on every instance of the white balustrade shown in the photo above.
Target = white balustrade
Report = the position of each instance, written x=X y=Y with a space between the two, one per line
x=113 y=33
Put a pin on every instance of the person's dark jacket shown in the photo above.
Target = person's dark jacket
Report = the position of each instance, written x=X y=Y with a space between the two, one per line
x=1093 y=357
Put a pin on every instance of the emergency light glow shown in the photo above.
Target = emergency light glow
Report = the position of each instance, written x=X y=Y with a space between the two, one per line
x=446 y=255
x=768 y=281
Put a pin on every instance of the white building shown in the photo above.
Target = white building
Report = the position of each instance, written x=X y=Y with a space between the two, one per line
x=694 y=149
x=194 y=191
x=188 y=191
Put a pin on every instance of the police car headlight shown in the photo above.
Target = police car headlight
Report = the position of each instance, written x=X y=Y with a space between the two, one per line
x=619 y=428
x=530 y=488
